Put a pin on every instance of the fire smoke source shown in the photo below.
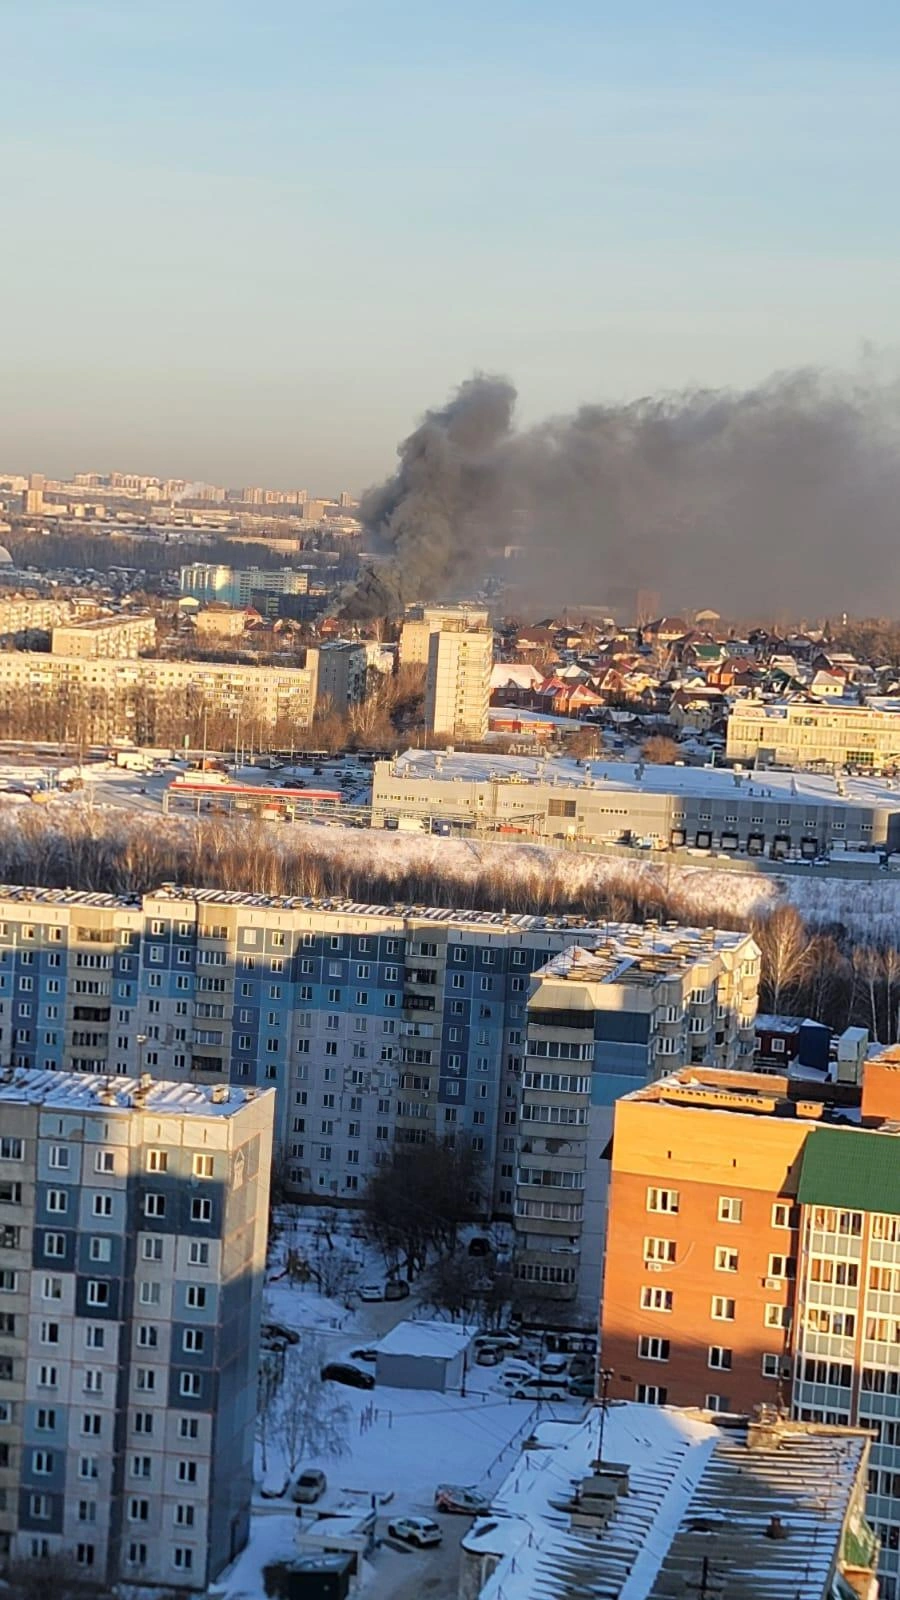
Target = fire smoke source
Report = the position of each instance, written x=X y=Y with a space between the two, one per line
x=781 y=498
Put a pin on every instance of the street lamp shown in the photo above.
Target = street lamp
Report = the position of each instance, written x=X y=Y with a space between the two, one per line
x=605 y=1374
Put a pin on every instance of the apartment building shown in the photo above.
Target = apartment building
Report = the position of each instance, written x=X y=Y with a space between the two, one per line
x=773 y=814
x=132 y=1252
x=24 y=614
x=790 y=733
x=105 y=637
x=340 y=668
x=603 y=1021
x=753 y=1255
x=376 y=1025
x=458 y=681
x=422 y=621
x=110 y=698
x=236 y=586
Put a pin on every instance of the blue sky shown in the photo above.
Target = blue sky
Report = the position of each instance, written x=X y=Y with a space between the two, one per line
x=252 y=242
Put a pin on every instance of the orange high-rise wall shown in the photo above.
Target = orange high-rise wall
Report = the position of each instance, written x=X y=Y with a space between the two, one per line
x=703 y=1154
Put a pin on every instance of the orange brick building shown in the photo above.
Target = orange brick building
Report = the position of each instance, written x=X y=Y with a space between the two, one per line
x=753 y=1256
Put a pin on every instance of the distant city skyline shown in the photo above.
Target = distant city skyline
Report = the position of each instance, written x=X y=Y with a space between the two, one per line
x=252 y=246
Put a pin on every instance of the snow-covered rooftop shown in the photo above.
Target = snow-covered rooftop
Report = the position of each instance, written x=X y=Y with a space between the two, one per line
x=695 y=1493
x=79 y=1091
x=645 y=777
x=441 y=1340
x=622 y=954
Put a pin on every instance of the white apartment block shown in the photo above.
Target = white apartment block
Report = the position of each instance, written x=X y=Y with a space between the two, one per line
x=458 y=681
x=423 y=621
x=111 y=697
x=133 y=1220
x=105 y=637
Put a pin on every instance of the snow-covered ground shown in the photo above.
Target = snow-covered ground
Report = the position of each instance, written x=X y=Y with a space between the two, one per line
x=400 y=1442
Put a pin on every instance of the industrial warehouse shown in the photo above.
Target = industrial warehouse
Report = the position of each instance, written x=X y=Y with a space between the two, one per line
x=782 y=815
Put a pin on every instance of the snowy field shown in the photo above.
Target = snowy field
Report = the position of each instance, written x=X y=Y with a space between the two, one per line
x=128 y=805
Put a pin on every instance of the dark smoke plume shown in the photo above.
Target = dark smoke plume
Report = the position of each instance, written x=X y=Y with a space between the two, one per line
x=781 y=498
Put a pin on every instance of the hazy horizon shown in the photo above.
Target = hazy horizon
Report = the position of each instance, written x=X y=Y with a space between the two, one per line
x=255 y=246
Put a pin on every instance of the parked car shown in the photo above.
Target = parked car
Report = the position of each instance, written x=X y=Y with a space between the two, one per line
x=514 y=1376
x=342 y=1372
x=364 y=1354
x=396 y=1289
x=467 y=1502
x=488 y=1356
x=309 y=1487
x=371 y=1291
x=274 y=1484
x=277 y=1330
x=420 y=1531
x=555 y=1366
x=582 y=1388
x=540 y=1388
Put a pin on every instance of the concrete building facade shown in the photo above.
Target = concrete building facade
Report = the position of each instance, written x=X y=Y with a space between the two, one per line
x=665 y=807
x=799 y=734
x=105 y=637
x=423 y=621
x=340 y=669
x=377 y=1026
x=110 y=698
x=752 y=1256
x=603 y=1021
x=458 y=681
x=235 y=586
x=133 y=1222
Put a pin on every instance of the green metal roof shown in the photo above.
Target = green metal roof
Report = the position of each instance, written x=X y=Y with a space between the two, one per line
x=857 y=1171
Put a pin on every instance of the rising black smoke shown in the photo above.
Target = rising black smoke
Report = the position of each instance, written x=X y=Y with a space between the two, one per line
x=785 y=497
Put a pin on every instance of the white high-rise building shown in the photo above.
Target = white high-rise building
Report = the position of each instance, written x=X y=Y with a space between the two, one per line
x=458 y=681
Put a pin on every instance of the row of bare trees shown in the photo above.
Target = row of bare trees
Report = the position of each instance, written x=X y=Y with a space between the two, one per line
x=826 y=975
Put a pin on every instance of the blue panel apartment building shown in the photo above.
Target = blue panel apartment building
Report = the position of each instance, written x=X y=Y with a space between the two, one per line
x=133 y=1220
x=376 y=1025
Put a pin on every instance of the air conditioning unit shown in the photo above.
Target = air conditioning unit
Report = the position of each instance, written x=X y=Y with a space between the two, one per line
x=786 y=1370
x=653 y=1266
x=772 y=1283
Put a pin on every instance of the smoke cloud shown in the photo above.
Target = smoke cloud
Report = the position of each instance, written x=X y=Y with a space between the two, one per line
x=782 y=498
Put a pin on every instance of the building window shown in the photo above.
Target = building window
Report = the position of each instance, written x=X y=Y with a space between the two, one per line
x=203 y=1166
x=663 y=1200
x=154 y=1205
x=662 y=1250
x=771 y=1366
x=189 y=1384
x=719 y=1357
x=784 y=1215
x=726 y=1260
x=777 y=1316
x=651 y=1348
x=183 y=1557
x=782 y=1267
x=650 y=1394
x=722 y=1308
x=653 y=1299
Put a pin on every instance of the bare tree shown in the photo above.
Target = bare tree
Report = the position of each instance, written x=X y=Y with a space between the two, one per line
x=335 y=1274
x=783 y=939
x=660 y=750
x=271 y=1363
x=309 y=1419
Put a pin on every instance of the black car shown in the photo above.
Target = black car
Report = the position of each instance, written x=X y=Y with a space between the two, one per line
x=342 y=1372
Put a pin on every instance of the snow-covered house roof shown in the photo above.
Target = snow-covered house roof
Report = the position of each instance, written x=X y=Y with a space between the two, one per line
x=676 y=1495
